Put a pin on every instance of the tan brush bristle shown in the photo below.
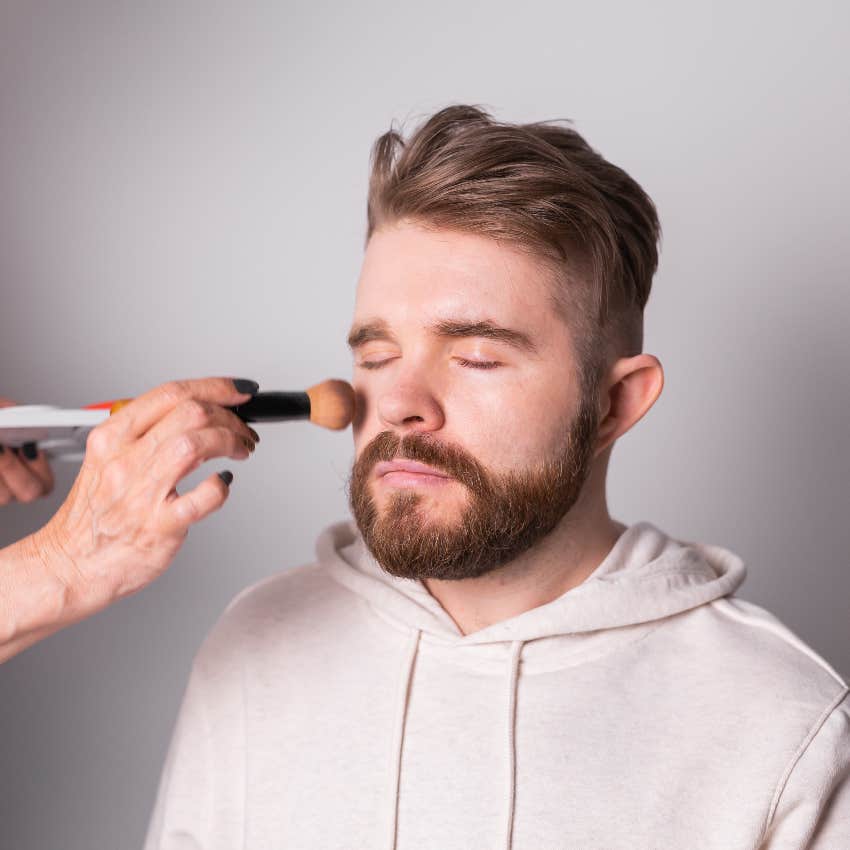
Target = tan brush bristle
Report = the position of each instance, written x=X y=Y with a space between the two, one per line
x=332 y=404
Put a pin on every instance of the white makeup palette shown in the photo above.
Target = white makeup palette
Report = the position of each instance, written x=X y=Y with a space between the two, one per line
x=59 y=432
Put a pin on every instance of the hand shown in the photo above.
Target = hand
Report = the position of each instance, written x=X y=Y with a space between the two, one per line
x=123 y=521
x=21 y=478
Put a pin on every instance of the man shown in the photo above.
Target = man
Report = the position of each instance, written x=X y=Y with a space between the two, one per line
x=483 y=657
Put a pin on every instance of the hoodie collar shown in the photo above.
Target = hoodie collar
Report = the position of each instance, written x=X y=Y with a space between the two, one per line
x=647 y=575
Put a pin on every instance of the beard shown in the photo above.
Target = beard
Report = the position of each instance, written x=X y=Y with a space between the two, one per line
x=505 y=514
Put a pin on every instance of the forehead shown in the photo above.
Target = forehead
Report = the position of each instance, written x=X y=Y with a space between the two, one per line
x=415 y=274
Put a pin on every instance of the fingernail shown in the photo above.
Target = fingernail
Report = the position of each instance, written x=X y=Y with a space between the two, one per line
x=2 y=448
x=248 y=444
x=226 y=476
x=255 y=435
x=30 y=451
x=243 y=385
x=15 y=450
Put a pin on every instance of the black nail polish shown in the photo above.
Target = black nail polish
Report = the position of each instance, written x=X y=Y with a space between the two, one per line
x=2 y=448
x=30 y=451
x=226 y=476
x=243 y=385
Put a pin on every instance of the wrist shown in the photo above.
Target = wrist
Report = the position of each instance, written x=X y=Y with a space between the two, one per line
x=39 y=589
x=63 y=572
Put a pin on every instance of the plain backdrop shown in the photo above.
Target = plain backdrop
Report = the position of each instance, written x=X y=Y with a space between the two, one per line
x=182 y=194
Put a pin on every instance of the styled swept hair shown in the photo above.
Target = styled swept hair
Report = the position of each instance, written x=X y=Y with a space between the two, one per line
x=542 y=189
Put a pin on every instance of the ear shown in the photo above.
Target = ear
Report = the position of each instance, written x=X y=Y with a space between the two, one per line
x=630 y=389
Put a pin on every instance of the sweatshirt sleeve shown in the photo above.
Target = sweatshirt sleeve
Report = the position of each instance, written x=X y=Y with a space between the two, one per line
x=812 y=810
x=199 y=802
x=184 y=798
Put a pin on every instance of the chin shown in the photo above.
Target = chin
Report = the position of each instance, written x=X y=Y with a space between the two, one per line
x=433 y=505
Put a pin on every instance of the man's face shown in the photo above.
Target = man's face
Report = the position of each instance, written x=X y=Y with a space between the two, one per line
x=497 y=415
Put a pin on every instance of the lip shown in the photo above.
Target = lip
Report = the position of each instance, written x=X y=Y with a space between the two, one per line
x=407 y=466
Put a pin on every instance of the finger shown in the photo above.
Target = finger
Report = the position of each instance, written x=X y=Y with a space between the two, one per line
x=192 y=415
x=7 y=402
x=185 y=452
x=6 y=497
x=19 y=478
x=183 y=511
x=38 y=464
x=134 y=419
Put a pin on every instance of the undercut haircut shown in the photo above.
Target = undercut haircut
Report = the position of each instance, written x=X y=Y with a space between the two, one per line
x=541 y=189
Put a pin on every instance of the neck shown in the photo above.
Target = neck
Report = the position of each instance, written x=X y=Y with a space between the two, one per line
x=559 y=562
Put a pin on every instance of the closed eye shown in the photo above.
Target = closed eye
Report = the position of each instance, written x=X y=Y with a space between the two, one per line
x=469 y=364
x=478 y=364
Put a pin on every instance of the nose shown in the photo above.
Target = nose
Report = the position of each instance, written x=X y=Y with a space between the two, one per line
x=409 y=405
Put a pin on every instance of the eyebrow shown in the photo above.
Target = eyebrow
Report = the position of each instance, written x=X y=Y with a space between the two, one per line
x=377 y=329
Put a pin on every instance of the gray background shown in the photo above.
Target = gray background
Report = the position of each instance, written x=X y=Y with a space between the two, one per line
x=182 y=193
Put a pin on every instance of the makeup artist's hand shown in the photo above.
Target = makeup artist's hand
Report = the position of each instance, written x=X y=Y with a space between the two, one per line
x=123 y=520
x=25 y=474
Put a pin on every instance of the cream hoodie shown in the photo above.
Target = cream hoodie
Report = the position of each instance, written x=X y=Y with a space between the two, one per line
x=335 y=706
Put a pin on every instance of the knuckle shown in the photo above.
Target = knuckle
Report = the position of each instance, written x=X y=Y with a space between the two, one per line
x=196 y=413
x=99 y=441
x=188 y=444
x=115 y=477
x=175 y=391
x=188 y=510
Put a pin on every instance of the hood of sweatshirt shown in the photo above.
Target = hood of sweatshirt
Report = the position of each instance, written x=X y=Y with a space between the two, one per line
x=645 y=577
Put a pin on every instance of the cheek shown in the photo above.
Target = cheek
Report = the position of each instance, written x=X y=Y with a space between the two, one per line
x=492 y=424
x=511 y=427
x=503 y=424
x=361 y=409
x=364 y=425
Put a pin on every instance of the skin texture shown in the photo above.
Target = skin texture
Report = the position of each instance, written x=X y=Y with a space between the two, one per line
x=123 y=521
x=508 y=420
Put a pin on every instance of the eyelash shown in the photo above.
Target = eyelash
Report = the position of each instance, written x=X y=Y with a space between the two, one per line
x=478 y=364
x=470 y=364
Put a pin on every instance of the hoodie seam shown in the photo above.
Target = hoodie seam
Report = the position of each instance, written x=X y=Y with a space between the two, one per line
x=513 y=686
x=673 y=570
x=793 y=641
x=798 y=754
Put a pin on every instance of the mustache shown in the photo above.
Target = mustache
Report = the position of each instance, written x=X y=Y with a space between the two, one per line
x=448 y=459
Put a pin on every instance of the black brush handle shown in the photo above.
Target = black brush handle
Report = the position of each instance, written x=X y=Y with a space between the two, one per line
x=274 y=407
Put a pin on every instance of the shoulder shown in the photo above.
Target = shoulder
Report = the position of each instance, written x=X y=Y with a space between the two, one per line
x=751 y=652
x=279 y=612
x=280 y=596
x=814 y=790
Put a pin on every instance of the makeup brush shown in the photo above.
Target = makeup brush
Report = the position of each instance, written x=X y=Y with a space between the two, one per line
x=62 y=433
x=329 y=404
